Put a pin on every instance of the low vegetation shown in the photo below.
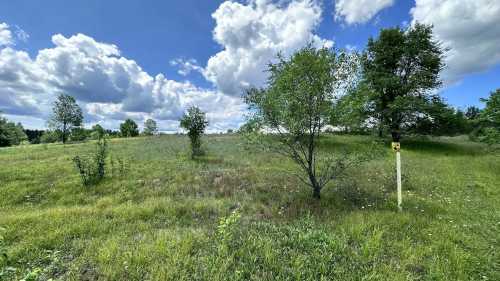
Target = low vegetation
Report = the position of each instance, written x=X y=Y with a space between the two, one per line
x=236 y=214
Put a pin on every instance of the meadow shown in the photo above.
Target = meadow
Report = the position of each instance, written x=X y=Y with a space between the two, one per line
x=239 y=214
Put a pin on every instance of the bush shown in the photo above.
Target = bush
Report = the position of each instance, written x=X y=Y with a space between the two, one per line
x=92 y=169
x=79 y=134
x=50 y=137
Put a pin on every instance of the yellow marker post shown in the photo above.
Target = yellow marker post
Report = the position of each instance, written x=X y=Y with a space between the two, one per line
x=396 y=146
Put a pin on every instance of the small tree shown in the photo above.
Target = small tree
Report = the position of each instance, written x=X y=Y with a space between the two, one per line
x=66 y=115
x=401 y=67
x=150 y=127
x=195 y=122
x=296 y=106
x=98 y=132
x=129 y=128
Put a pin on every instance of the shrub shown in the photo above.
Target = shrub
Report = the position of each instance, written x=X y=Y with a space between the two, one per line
x=50 y=137
x=92 y=169
x=79 y=134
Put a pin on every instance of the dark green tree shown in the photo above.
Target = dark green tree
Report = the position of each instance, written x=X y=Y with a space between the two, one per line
x=472 y=112
x=129 y=128
x=195 y=122
x=66 y=115
x=295 y=107
x=150 y=127
x=402 y=67
x=440 y=119
x=489 y=120
x=11 y=133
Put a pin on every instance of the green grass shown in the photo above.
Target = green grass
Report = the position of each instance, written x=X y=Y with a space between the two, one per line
x=167 y=217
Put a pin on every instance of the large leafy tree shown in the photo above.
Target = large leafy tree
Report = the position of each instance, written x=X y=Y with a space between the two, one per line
x=66 y=116
x=402 y=68
x=295 y=107
x=129 y=128
x=195 y=122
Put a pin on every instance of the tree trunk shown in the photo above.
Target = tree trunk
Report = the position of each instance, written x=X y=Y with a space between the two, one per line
x=316 y=193
x=315 y=186
x=64 y=134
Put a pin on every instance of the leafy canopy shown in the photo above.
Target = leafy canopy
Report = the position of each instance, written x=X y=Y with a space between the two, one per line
x=195 y=122
x=402 y=67
x=296 y=106
x=129 y=128
x=66 y=115
x=150 y=127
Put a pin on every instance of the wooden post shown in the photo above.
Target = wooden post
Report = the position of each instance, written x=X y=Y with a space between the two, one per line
x=398 y=172
x=396 y=146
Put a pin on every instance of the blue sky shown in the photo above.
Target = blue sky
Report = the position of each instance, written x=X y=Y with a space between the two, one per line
x=176 y=39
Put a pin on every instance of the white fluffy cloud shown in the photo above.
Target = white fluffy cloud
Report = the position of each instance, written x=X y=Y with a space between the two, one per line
x=470 y=28
x=186 y=66
x=359 y=11
x=251 y=35
x=108 y=86
x=5 y=35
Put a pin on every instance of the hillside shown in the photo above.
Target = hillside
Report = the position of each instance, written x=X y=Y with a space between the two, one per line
x=238 y=214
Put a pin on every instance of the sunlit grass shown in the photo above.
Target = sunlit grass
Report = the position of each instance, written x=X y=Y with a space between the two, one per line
x=158 y=219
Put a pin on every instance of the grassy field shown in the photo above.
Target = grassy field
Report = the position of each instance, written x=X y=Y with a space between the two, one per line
x=237 y=214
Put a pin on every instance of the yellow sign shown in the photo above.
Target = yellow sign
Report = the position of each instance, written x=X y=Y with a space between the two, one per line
x=396 y=146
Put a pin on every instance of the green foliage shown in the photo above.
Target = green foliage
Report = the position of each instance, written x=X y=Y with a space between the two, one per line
x=297 y=105
x=472 y=112
x=79 y=134
x=195 y=122
x=226 y=230
x=487 y=124
x=129 y=129
x=402 y=67
x=66 y=115
x=92 y=169
x=34 y=135
x=440 y=119
x=50 y=137
x=3 y=249
x=351 y=111
x=11 y=133
x=491 y=112
x=150 y=127
x=98 y=132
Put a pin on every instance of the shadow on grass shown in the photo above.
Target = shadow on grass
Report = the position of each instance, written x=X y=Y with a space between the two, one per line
x=441 y=147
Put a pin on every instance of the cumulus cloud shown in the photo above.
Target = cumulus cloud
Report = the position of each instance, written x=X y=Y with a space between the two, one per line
x=470 y=28
x=252 y=34
x=5 y=35
x=359 y=11
x=186 y=66
x=108 y=86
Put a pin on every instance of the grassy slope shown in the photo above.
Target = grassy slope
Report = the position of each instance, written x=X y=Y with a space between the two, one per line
x=159 y=221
